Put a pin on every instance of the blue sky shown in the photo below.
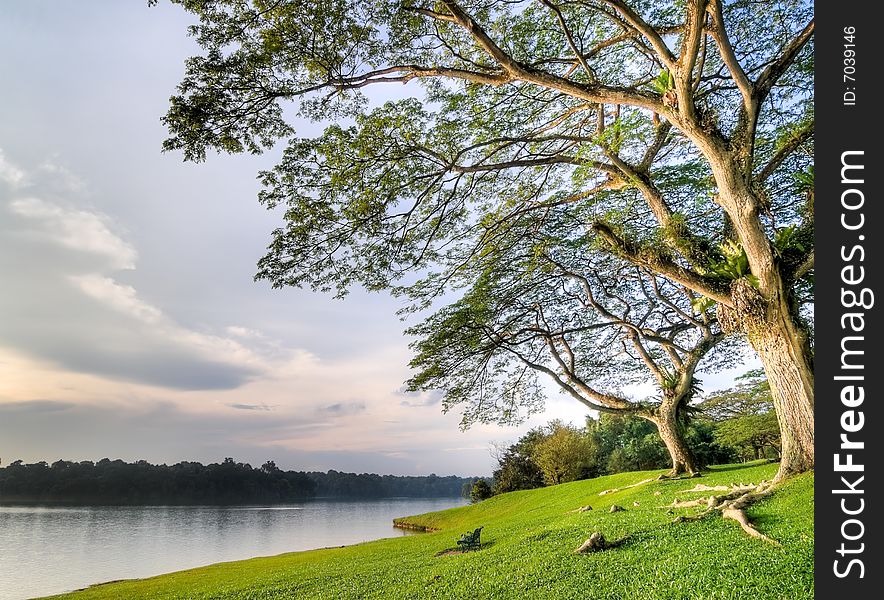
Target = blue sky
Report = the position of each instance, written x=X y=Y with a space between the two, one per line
x=130 y=324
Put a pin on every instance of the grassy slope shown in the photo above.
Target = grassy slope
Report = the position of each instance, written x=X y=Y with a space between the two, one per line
x=527 y=552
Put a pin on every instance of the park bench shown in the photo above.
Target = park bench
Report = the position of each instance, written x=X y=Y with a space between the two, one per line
x=470 y=541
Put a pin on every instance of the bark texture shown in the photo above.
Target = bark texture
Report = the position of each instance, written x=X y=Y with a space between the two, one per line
x=782 y=345
x=790 y=373
x=672 y=434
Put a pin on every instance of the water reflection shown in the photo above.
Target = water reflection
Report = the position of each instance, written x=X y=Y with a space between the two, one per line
x=45 y=550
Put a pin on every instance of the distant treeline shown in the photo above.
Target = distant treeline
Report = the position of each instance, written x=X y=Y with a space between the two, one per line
x=335 y=484
x=229 y=482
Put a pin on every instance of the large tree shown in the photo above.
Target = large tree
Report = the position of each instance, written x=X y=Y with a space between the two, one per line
x=589 y=324
x=680 y=125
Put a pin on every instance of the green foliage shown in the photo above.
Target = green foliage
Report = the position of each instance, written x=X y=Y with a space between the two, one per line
x=706 y=445
x=608 y=445
x=141 y=483
x=563 y=454
x=734 y=264
x=626 y=443
x=528 y=542
x=744 y=418
x=753 y=435
x=664 y=82
x=788 y=238
x=804 y=180
x=701 y=304
x=480 y=491
x=516 y=468
x=115 y=482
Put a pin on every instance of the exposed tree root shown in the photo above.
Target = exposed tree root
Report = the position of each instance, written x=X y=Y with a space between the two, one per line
x=597 y=542
x=731 y=506
x=701 y=487
x=740 y=517
x=686 y=503
x=734 y=491
x=626 y=487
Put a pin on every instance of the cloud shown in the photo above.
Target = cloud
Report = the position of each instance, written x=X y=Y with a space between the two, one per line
x=343 y=408
x=35 y=406
x=243 y=332
x=66 y=303
x=122 y=298
x=421 y=399
x=240 y=406
x=75 y=229
x=10 y=173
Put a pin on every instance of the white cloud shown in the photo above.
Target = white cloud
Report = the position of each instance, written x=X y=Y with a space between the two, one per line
x=67 y=307
x=243 y=332
x=122 y=298
x=68 y=179
x=10 y=173
x=76 y=229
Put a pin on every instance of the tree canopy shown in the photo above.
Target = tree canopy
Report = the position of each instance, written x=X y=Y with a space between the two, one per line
x=744 y=417
x=683 y=131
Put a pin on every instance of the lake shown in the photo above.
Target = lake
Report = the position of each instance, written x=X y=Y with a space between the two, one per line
x=47 y=550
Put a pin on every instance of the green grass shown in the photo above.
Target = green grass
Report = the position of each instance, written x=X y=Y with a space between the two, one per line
x=527 y=552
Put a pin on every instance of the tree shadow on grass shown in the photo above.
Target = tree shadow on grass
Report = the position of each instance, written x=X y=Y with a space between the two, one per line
x=737 y=467
x=459 y=551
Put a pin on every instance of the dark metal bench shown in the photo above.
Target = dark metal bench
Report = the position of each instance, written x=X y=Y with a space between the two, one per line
x=470 y=541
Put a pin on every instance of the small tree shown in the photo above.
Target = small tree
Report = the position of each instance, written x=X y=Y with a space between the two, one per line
x=516 y=467
x=563 y=454
x=481 y=491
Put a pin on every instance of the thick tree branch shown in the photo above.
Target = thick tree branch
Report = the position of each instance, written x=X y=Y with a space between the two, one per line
x=662 y=265
x=684 y=75
x=522 y=163
x=590 y=92
x=804 y=267
x=661 y=136
x=719 y=34
x=635 y=21
x=783 y=153
x=775 y=70
x=692 y=247
x=431 y=13
x=628 y=35
x=405 y=73
x=655 y=369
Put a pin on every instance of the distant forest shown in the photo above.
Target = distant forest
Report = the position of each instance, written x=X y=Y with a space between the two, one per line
x=229 y=482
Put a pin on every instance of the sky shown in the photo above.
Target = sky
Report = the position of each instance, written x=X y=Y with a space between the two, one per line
x=130 y=325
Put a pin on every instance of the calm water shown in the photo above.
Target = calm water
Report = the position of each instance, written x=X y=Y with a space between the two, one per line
x=51 y=550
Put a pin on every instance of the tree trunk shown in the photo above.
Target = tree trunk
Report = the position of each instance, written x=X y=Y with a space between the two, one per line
x=790 y=373
x=782 y=345
x=683 y=461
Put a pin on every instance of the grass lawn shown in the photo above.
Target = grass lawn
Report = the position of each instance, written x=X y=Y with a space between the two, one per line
x=527 y=551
